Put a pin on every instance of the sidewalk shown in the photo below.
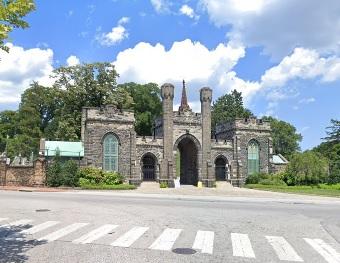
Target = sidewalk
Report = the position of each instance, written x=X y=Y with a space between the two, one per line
x=34 y=189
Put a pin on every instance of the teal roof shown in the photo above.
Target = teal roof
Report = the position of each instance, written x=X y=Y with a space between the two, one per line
x=279 y=159
x=66 y=149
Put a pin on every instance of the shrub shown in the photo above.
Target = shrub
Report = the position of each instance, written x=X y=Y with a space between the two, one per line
x=94 y=175
x=113 y=178
x=163 y=185
x=70 y=173
x=308 y=168
x=256 y=178
x=84 y=182
x=54 y=172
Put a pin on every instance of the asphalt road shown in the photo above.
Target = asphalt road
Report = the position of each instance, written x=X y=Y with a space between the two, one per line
x=91 y=227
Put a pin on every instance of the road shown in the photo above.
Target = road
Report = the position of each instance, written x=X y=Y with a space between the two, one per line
x=105 y=227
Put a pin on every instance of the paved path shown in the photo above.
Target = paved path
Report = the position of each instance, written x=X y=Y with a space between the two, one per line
x=135 y=227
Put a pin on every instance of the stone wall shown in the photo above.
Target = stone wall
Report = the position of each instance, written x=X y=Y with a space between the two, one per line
x=32 y=175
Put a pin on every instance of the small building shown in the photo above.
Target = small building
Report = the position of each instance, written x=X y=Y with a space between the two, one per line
x=180 y=138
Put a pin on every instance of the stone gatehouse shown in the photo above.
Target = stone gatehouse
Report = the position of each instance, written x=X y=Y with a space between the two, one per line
x=181 y=146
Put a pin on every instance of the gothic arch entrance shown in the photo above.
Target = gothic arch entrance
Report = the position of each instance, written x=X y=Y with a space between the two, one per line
x=187 y=160
x=221 y=168
x=149 y=167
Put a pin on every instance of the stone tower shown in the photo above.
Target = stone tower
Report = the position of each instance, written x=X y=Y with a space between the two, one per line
x=207 y=169
x=166 y=175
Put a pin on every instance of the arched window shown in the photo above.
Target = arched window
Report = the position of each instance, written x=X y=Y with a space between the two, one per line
x=253 y=157
x=110 y=153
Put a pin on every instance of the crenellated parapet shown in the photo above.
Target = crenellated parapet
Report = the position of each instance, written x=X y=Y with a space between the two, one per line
x=108 y=113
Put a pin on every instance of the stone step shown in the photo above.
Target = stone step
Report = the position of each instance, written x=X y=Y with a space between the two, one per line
x=223 y=185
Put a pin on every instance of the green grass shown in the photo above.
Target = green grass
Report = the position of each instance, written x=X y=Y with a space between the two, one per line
x=108 y=187
x=322 y=189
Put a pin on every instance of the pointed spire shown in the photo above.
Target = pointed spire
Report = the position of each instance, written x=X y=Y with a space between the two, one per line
x=184 y=101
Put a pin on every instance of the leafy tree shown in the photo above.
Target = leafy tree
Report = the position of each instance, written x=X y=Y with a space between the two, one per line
x=333 y=131
x=90 y=85
x=228 y=107
x=147 y=105
x=307 y=168
x=285 y=137
x=11 y=14
x=54 y=172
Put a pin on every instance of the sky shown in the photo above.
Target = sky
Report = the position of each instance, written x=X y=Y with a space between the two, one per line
x=283 y=55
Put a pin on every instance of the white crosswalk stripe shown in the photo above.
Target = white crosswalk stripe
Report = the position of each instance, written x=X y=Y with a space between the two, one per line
x=130 y=237
x=95 y=234
x=283 y=249
x=325 y=250
x=3 y=218
x=242 y=246
x=38 y=228
x=20 y=222
x=62 y=232
x=204 y=241
x=166 y=240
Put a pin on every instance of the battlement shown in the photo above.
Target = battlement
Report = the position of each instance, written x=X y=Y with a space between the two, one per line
x=108 y=113
x=149 y=140
x=220 y=143
x=244 y=124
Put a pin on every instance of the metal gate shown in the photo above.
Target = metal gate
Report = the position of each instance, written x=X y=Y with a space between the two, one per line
x=148 y=168
x=220 y=167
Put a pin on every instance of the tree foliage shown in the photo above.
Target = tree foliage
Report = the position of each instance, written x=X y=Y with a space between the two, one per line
x=285 y=137
x=228 y=107
x=333 y=132
x=11 y=16
x=147 y=105
x=307 y=168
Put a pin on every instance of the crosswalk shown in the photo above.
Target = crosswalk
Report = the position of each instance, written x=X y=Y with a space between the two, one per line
x=204 y=241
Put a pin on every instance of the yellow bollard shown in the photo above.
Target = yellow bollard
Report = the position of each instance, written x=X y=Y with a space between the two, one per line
x=199 y=184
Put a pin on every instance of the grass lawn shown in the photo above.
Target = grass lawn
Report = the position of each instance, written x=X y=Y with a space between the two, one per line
x=108 y=187
x=323 y=189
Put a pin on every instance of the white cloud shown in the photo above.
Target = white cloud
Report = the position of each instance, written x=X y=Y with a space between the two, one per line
x=280 y=26
x=188 y=11
x=161 y=6
x=307 y=100
x=187 y=60
x=117 y=34
x=20 y=67
x=72 y=61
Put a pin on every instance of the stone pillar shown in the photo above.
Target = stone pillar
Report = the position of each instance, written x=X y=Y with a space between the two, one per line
x=207 y=174
x=166 y=175
x=3 y=170
x=134 y=177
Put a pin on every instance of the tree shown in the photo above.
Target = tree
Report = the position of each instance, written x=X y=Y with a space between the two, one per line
x=333 y=131
x=86 y=85
x=285 y=137
x=307 y=168
x=147 y=105
x=11 y=14
x=228 y=107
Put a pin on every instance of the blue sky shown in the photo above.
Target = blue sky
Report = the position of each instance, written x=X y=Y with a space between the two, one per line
x=283 y=55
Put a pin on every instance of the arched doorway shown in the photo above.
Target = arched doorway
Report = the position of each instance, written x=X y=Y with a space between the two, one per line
x=220 y=168
x=149 y=167
x=188 y=161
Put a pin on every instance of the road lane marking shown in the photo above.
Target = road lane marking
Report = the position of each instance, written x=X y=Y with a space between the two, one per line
x=130 y=237
x=62 y=232
x=325 y=250
x=95 y=234
x=40 y=227
x=283 y=249
x=20 y=222
x=166 y=240
x=204 y=241
x=3 y=219
x=242 y=246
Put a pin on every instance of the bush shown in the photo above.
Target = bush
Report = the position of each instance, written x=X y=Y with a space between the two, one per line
x=94 y=175
x=256 y=178
x=308 y=168
x=163 y=185
x=70 y=173
x=113 y=178
x=83 y=182
x=54 y=174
